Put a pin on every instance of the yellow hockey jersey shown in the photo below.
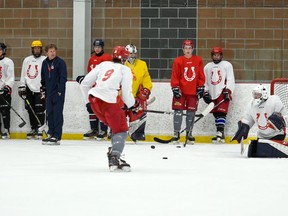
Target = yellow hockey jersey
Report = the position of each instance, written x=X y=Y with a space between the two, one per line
x=141 y=75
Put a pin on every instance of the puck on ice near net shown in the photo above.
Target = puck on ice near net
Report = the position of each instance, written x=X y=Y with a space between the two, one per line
x=152 y=146
x=178 y=146
x=164 y=157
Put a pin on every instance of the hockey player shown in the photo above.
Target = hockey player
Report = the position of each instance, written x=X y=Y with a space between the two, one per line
x=219 y=85
x=98 y=129
x=141 y=88
x=29 y=89
x=269 y=115
x=110 y=77
x=7 y=80
x=187 y=82
x=53 y=89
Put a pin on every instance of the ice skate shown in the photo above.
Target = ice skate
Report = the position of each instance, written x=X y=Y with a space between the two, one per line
x=38 y=135
x=176 y=138
x=6 y=134
x=117 y=164
x=45 y=140
x=102 y=135
x=53 y=141
x=190 y=138
x=90 y=134
x=219 y=138
x=31 y=134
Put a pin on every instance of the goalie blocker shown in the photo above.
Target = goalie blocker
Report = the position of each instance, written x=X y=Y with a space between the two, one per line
x=264 y=148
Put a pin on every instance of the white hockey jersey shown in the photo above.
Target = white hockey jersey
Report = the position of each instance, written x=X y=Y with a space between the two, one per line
x=7 y=76
x=31 y=72
x=259 y=114
x=219 y=76
x=109 y=77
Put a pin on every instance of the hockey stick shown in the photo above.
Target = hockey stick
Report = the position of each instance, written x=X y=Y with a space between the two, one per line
x=23 y=121
x=242 y=145
x=207 y=110
x=32 y=110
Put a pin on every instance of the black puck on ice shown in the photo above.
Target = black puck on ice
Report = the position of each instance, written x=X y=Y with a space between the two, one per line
x=178 y=146
x=152 y=146
x=164 y=157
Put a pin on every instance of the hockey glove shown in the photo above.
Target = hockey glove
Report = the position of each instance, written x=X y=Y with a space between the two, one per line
x=200 y=91
x=177 y=92
x=143 y=93
x=227 y=94
x=243 y=130
x=207 y=98
x=79 y=79
x=277 y=121
x=136 y=107
x=43 y=92
x=5 y=91
x=22 y=92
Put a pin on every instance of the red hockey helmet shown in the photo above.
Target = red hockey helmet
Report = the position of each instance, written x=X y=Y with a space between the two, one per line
x=119 y=52
x=187 y=43
x=216 y=50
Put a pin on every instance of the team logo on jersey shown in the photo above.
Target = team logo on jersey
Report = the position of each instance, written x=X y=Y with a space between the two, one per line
x=29 y=72
x=0 y=72
x=189 y=79
x=134 y=77
x=263 y=127
x=219 y=78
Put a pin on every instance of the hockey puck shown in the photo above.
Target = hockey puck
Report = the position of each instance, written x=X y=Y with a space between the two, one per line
x=164 y=157
x=152 y=147
x=178 y=146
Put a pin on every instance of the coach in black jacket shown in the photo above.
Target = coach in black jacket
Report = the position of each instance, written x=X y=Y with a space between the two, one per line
x=53 y=81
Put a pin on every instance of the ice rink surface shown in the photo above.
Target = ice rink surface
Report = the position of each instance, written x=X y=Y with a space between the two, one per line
x=73 y=179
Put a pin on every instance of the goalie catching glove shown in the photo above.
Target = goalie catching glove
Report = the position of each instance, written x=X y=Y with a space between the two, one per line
x=277 y=121
x=243 y=130
x=143 y=93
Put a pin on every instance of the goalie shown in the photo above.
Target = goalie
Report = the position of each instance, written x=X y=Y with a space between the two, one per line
x=269 y=114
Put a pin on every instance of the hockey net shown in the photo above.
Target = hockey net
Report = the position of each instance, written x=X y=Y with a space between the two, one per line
x=279 y=86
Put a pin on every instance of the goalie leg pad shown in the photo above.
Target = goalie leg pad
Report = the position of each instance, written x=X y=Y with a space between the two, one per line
x=267 y=149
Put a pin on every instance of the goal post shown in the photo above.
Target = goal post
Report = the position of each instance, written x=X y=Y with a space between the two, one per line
x=279 y=86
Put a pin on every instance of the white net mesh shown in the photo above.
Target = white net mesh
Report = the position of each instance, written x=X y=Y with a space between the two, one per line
x=280 y=87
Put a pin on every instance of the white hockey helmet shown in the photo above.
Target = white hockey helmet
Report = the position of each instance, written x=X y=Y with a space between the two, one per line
x=260 y=93
x=132 y=53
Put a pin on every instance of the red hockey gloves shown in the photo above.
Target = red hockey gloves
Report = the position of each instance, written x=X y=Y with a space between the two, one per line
x=5 y=91
x=243 y=130
x=22 y=92
x=143 y=93
x=207 y=98
x=79 y=79
x=43 y=92
x=200 y=91
x=277 y=121
x=176 y=92
x=227 y=94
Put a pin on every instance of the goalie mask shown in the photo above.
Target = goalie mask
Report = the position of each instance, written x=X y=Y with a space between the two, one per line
x=36 y=48
x=132 y=53
x=260 y=94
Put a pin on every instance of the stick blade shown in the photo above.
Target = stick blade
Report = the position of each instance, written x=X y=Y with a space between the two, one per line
x=208 y=109
x=22 y=124
x=156 y=139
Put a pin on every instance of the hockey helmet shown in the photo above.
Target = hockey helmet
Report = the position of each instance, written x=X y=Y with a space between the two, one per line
x=260 y=93
x=132 y=50
x=217 y=50
x=98 y=42
x=120 y=52
x=3 y=47
x=36 y=43
x=187 y=43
